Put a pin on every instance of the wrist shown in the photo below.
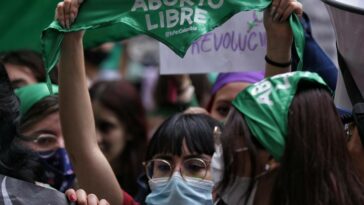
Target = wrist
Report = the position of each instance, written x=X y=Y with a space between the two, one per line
x=279 y=42
x=279 y=54
x=278 y=64
x=73 y=36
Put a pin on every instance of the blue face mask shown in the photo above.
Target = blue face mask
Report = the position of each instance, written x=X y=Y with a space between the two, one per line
x=57 y=168
x=179 y=191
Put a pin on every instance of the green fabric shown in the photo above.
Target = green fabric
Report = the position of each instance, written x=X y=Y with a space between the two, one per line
x=119 y=19
x=31 y=94
x=22 y=23
x=265 y=108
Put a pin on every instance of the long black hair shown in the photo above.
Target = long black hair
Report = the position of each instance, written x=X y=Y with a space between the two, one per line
x=15 y=160
x=316 y=167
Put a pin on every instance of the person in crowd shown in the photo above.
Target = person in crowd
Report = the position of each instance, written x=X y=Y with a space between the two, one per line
x=286 y=143
x=202 y=87
x=15 y=160
x=122 y=128
x=40 y=131
x=23 y=67
x=283 y=141
x=226 y=87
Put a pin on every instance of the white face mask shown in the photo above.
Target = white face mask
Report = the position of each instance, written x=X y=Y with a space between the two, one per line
x=217 y=163
x=236 y=192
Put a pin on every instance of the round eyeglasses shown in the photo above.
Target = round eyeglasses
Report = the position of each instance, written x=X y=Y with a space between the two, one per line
x=42 y=142
x=161 y=168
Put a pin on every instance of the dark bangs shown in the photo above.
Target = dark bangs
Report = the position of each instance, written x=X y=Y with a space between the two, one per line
x=196 y=129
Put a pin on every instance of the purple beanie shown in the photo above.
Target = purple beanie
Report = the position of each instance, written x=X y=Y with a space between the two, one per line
x=246 y=77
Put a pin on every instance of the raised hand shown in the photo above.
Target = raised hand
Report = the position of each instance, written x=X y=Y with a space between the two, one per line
x=282 y=9
x=67 y=12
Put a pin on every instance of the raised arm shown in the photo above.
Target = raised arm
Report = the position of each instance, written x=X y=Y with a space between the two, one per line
x=93 y=171
x=279 y=38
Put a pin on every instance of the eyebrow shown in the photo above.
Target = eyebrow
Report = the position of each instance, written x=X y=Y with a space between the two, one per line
x=36 y=133
x=225 y=101
x=16 y=83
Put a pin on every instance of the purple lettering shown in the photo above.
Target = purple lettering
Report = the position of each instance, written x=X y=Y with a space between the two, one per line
x=217 y=44
x=252 y=34
x=242 y=43
x=227 y=40
x=196 y=46
x=206 y=38
x=234 y=43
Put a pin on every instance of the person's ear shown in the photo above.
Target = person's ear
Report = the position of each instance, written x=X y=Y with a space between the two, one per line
x=356 y=151
x=267 y=161
x=273 y=164
x=354 y=143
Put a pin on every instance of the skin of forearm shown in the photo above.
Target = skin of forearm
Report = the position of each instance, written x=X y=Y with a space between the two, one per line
x=73 y=83
x=278 y=51
x=93 y=172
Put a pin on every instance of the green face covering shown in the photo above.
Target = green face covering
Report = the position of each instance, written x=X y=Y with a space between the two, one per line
x=176 y=23
x=265 y=107
x=31 y=94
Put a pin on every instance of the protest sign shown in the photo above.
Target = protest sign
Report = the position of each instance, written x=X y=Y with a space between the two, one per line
x=176 y=23
x=17 y=192
x=238 y=45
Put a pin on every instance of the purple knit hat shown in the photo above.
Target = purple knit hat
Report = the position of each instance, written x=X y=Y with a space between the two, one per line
x=246 y=77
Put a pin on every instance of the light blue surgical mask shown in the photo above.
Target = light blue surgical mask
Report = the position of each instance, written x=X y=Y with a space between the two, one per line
x=180 y=191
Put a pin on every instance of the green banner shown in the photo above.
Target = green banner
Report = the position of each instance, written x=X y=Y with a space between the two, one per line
x=22 y=23
x=176 y=23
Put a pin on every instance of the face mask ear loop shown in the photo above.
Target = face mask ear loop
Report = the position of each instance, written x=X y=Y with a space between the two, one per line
x=244 y=149
x=217 y=135
x=267 y=169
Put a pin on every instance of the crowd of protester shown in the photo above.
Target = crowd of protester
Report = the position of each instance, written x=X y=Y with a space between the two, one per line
x=267 y=137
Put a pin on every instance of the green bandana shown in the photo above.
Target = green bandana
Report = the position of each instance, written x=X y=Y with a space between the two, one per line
x=31 y=94
x=265 y=107
x=176 y=23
